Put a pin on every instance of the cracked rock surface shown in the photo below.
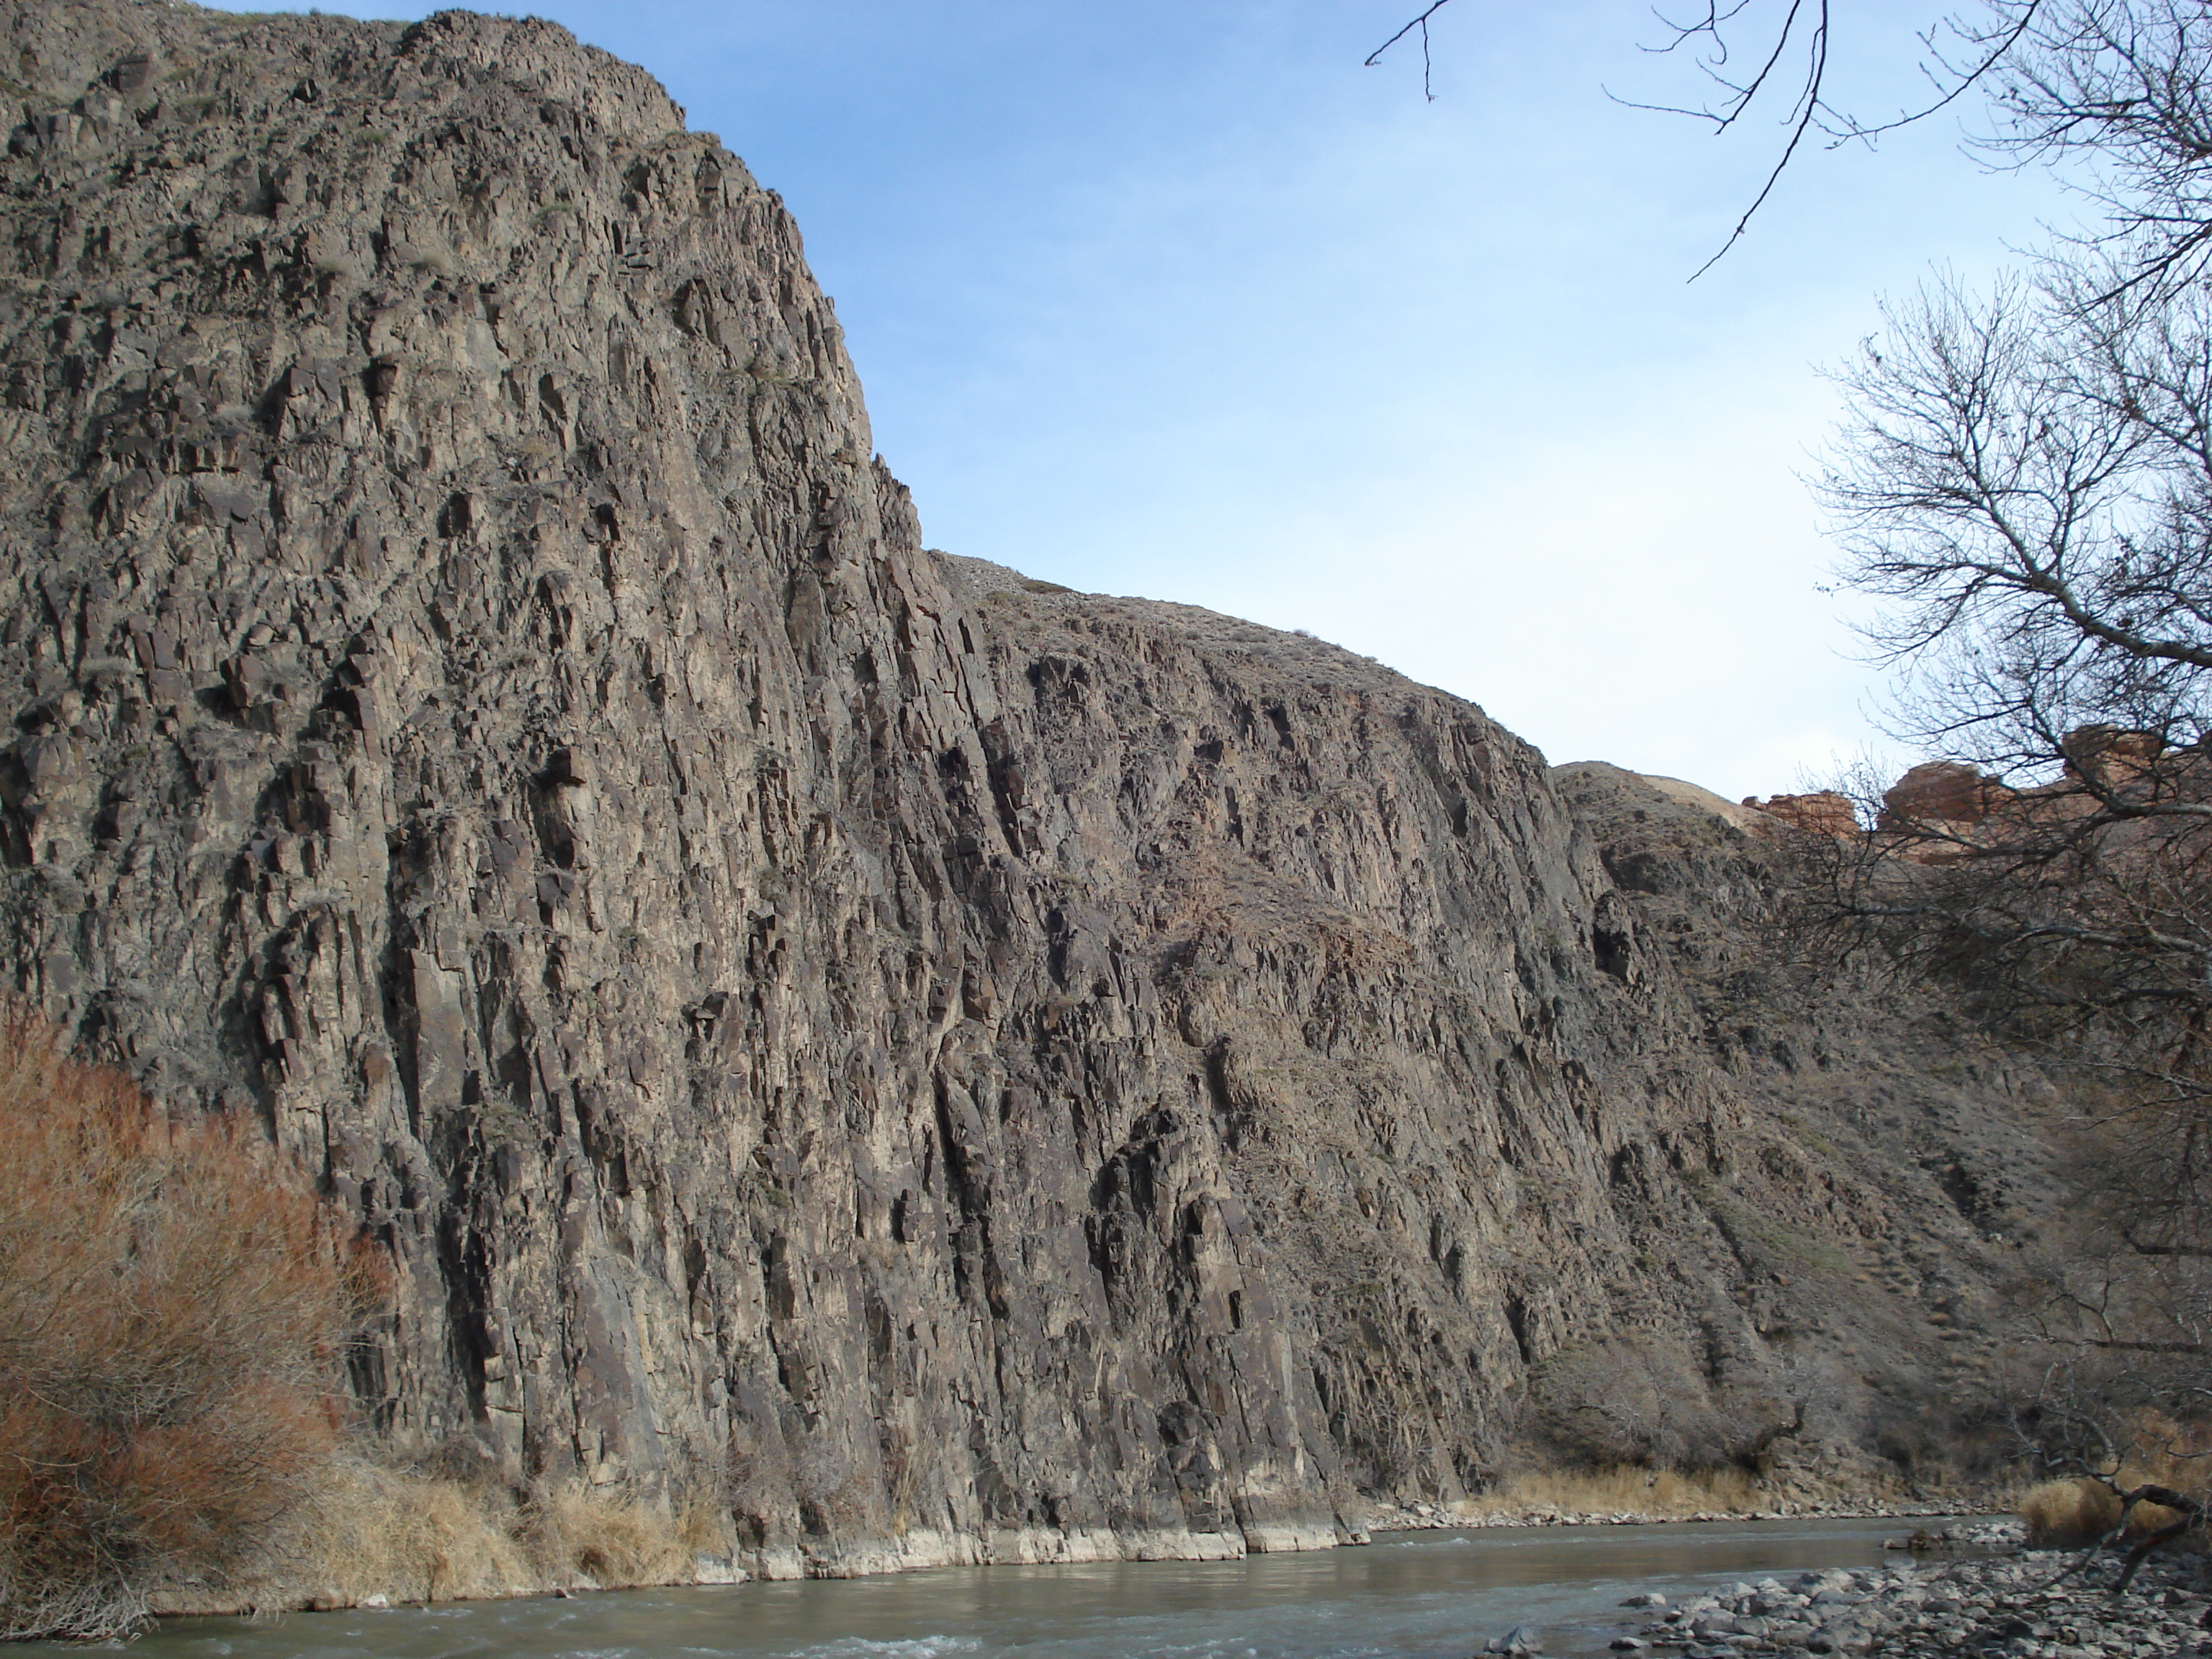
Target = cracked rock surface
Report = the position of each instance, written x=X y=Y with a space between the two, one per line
x=1006 y=1074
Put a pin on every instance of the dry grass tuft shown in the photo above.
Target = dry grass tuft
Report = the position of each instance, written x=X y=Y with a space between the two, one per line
x=2064 y=1515
x=377 y=1531
x=374 y=1531
x=1624 y=1489
x=612 y=1536
x=2067 y=1514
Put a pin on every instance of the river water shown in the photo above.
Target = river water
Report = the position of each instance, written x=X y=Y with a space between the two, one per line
x=1408 y=1595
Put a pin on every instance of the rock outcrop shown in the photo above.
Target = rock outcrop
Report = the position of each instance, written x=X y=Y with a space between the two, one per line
x=1823 y=812
x=1949 y=793
x=991 y=1074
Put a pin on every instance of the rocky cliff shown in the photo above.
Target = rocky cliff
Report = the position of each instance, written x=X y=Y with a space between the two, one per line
x=990 y=1072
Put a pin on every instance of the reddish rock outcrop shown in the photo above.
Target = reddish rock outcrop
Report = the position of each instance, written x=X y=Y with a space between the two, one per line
x=1941 y=792
x=2110 y=755
x=1824 y=812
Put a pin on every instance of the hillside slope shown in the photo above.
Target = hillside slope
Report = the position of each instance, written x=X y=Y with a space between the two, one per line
x=1004 y=1074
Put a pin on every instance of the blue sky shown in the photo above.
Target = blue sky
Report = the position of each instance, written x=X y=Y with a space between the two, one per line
x=1177 y=300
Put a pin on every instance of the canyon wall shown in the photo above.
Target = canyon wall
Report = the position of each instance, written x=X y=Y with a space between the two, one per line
x=980 y=1071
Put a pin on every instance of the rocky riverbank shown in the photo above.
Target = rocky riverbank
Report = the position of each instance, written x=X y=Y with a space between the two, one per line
x=2004 y=1604
x=1417 y=1517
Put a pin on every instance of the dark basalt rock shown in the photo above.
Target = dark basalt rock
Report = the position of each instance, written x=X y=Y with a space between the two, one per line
x=1009 y=1074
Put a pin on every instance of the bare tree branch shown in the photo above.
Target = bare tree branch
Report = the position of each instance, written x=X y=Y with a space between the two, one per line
x=1809 y=110
x=1421 y=23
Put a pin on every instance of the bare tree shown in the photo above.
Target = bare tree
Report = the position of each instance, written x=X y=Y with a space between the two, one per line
x=2114 y=93
x=2024 y=482
x=2027 y=482
x=2111 y=93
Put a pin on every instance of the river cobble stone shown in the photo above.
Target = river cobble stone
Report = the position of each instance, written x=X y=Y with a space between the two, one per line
x=2006 y=1605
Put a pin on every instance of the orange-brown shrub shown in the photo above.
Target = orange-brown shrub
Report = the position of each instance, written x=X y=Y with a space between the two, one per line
x=172 y=1299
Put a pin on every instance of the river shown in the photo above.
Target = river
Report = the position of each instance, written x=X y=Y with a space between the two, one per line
x=1408 y=1595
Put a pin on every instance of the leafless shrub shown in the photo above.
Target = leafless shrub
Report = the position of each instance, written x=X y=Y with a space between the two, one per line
x=2151 y=1468
x=172 y=1299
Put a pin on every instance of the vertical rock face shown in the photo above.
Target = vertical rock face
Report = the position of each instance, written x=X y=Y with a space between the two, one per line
x=997 y=1074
